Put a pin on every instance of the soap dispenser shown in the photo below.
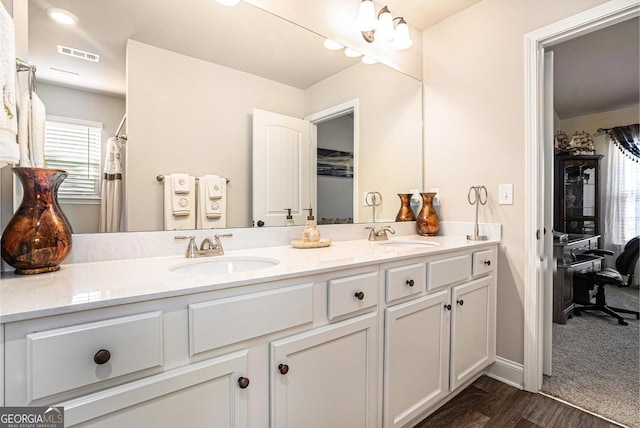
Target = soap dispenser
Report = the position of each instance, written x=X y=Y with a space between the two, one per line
x=289 y=220
x=311 y=232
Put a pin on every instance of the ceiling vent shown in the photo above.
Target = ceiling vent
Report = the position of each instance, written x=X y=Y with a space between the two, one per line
x=77 y=53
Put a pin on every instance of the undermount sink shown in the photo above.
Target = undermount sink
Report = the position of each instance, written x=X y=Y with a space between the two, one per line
x=220 y=265
x=410 y=244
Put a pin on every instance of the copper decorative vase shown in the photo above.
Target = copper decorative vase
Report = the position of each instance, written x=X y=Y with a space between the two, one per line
x=38 y=237
x=427 y=222
x=405 y=213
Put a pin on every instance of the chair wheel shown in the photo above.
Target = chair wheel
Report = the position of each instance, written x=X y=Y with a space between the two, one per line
x=623 y=322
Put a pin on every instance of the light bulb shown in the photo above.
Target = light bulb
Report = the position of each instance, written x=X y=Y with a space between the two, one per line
x=351 y=53
x=368 y=60
x=62 y=16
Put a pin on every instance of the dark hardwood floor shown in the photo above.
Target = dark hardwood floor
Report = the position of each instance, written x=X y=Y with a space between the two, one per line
x=490 y=403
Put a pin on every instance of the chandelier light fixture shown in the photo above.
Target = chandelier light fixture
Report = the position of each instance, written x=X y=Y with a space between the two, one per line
x=382 y=28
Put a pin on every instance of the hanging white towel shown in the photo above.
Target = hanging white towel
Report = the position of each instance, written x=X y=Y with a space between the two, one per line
x=180 y=183
x=179 y=208
x=31 y=128
x=112 y=192
x=9 y=153
x=213 y=186
x=212 y=213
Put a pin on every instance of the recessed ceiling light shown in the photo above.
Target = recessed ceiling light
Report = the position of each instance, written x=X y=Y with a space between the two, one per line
x=62 y=16
x=351 y=53
x=228 y=2
x=332 y=46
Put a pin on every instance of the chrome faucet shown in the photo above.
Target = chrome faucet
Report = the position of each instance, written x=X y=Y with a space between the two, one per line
x=208 y=247
x=380 y=234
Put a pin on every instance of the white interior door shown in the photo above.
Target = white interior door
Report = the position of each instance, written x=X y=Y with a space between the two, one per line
x=548 y=262
x=283 y=168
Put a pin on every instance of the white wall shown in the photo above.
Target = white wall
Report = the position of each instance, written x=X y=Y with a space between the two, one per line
x=474 y=129
x=178 y=107
x=388 y=158
x=77 y=104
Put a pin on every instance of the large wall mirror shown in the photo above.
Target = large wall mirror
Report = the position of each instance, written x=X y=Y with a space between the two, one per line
x=189 y=75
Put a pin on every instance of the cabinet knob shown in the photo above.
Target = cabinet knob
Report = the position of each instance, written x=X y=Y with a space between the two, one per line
x=410 y=282
x=460 y=302
x=487 y=262
x=243 y=382
x=447 y=307
x=101 y=357
x=283 y=368
x=359 y=295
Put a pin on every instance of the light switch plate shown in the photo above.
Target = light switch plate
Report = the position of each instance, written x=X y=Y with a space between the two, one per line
x=505 y=194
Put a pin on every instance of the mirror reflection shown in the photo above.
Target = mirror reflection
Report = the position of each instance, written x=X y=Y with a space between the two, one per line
x=190 y=77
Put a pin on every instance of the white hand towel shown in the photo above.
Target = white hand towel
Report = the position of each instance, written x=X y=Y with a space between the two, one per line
x=179 y=209
x=31 y=127
x=180 y=183
x=9 y=152
x=211 y=212
x=213 y=186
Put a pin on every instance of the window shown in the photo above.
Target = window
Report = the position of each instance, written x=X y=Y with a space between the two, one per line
x=74 y=146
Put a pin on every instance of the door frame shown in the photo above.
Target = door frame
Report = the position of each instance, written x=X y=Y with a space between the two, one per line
x=599 y=17
x=338 y=110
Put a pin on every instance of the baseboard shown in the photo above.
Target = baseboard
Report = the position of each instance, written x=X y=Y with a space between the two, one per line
x=507 y=371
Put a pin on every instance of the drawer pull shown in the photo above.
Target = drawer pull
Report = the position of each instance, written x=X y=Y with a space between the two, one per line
x=410 y=282
x=283 y=368
x=460 y=302
x=359 y=295
x=447 y=307
x=487 y=262
x=243 y=382
x=102 y=357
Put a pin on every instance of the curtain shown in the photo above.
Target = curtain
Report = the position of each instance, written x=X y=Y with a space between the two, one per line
x=627 y=139
x=621 y=196
x=111 y=196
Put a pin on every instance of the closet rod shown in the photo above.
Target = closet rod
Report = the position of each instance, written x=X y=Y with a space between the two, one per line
x=160 y=177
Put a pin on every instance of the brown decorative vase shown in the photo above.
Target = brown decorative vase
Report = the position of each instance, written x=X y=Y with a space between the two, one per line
x=38 y=237
x=427 y=222
x=405 y=213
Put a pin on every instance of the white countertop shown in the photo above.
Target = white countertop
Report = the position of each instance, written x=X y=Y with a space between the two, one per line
x=85 y=286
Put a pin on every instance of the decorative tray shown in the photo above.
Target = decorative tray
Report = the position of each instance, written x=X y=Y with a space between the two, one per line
x=298 y=243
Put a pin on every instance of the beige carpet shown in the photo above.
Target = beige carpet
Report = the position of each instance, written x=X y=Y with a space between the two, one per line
x=596 y=361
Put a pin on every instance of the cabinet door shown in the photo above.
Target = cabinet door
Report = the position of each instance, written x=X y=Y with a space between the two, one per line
x=326 y=377
x=207 y=394
x=416 y=357
x=472 y=329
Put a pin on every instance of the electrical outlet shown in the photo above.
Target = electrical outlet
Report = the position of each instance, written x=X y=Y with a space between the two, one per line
x=436 y=198
x=505 y=194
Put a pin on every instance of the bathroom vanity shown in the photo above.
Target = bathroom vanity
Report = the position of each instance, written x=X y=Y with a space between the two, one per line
x=359 y=334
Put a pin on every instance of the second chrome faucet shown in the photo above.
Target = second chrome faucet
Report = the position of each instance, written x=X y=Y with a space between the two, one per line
x=208 y=247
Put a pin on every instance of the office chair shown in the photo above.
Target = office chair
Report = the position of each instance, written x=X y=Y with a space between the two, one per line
x=625 y=265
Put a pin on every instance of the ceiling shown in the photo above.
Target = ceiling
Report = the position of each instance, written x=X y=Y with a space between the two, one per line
x=593 y=73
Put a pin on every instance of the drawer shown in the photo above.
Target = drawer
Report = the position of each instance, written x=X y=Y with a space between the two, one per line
x=483 y=262
x=67 y=358
x=223 y=322
x=451 y=270
x=346 y=295
x=404 y=281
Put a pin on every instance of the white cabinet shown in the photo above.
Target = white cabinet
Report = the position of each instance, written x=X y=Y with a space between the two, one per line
x=326 y=377
x=472 y=329
x=208 y=394
x=416 y=357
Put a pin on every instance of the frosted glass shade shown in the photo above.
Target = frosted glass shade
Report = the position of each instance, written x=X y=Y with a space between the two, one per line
x=366 y=16
x=384 y=30
x=401 y=40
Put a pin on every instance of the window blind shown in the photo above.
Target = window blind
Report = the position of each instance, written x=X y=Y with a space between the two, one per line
x=75 y=147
